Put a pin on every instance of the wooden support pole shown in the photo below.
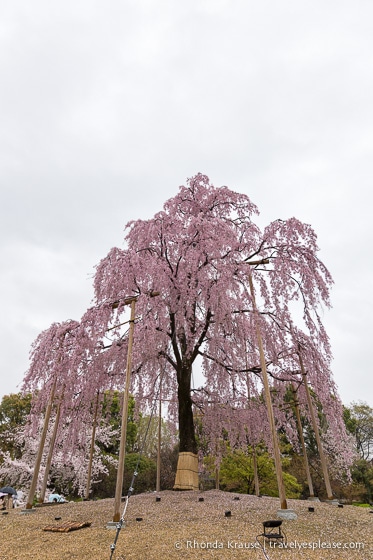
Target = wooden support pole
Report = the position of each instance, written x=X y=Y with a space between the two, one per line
x=255 y=459
x=302 y=442
x=158 y=482
x=217 y=467
x=39 y=456
x=123 y=435
x=93 y=438
x=317 y=433
x=217 y=478
x=255 y=467
x=267 y=395
x=50 y=453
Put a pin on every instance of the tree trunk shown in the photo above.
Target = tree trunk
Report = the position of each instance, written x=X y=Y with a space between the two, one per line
x=187 y=466
x=186 y=420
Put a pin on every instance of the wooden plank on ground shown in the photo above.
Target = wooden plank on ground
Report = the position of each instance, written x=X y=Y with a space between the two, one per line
x=67 y=527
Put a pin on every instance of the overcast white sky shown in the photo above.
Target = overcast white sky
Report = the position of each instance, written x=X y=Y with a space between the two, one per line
x=107 y=107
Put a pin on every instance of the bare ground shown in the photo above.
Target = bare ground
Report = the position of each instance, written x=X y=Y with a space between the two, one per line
x=181 y=526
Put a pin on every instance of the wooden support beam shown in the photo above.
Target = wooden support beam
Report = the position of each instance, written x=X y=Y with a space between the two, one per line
x=267 y=395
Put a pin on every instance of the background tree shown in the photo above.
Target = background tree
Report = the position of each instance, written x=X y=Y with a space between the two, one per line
x=68 y=470
x=237 y=474
x=359 y=422
x=111 y=417
x=14 y=412
x=15 y=452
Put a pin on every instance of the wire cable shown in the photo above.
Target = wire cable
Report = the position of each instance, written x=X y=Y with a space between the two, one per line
x=262 y=547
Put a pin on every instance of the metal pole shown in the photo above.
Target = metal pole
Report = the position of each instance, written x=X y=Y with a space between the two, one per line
x=267 y=395
x=123 y=435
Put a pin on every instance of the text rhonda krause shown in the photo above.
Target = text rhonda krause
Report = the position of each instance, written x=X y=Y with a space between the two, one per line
x=219 y=544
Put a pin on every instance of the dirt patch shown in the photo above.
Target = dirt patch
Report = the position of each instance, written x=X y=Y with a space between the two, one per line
x=180 y=525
